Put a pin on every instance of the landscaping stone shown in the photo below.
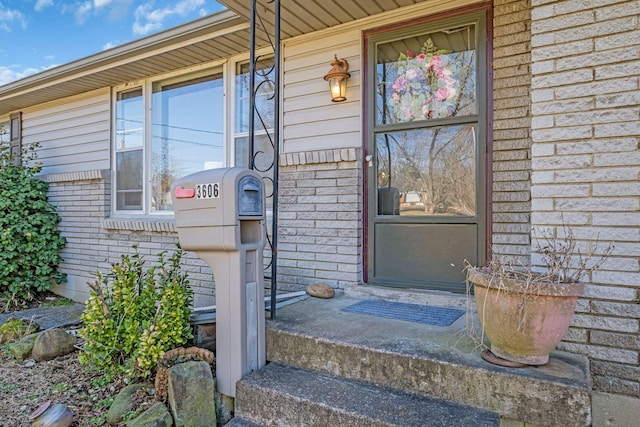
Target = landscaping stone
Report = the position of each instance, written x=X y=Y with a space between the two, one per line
x=123 y=403
x=321 y=290
x=51 y=344
x=225 y=407
x=156 y=416
x=192 y=394
x=22 y=348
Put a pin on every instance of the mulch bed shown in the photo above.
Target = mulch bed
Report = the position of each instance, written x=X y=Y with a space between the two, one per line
x=25 y=385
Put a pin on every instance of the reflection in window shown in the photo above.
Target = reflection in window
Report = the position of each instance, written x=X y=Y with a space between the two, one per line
x=429 y=76
x=264 y=95
x=129 y=139
x=129 y=180
x=187 y=134
x=129 y=119
x=426 y=123
x=430 y=171
x=4 y=132
x=181 y=134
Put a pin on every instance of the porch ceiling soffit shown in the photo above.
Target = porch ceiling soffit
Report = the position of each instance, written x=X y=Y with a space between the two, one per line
x=210 y=38
x=299 y=17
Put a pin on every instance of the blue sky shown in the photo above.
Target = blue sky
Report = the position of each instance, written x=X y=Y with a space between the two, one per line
x=36 y=35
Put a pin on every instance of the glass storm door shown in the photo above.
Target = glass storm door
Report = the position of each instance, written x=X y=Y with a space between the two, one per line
x=426 y=153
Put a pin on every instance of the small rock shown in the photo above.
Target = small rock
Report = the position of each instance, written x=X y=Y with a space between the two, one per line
x=224 y=408
x=192 y=394
x=21 y=349
x=156 y=416
x=321 y=290
x=51 y=344
x=123 y=403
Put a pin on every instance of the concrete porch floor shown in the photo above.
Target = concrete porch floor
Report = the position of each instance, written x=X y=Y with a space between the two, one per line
x=324 y=318
x=443 y=362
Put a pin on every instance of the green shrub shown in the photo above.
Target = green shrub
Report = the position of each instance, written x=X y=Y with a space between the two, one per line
x=30 y=240
x=134 y=315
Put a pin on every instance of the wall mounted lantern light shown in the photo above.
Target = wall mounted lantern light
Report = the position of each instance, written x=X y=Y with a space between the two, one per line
x=337 y=78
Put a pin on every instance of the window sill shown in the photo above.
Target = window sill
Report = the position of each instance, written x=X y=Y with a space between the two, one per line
x=161 y=225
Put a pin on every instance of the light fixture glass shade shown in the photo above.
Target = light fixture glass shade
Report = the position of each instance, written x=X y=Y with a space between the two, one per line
x=337 y=78
x=338 y=87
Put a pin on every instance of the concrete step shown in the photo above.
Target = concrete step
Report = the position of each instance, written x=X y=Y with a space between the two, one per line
x=280 y=395
x=431 y=361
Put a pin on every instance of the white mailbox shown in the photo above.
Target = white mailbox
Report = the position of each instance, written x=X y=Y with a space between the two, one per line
x=220 y=215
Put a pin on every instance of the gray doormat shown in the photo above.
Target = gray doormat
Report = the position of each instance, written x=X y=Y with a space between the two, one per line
x=426 y=314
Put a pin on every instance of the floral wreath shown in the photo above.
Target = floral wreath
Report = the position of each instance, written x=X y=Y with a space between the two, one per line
x=424 y=88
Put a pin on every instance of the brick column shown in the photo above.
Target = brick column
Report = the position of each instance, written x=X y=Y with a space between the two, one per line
x=511 y=130
x=586 y=168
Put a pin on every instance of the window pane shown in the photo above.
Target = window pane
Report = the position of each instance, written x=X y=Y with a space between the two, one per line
x=129 y=123
x=4 y=137
x=428 y=76
x=4 y=132
x=264 y=98
x=428 y=172
x=187 y=132
x=129 y=173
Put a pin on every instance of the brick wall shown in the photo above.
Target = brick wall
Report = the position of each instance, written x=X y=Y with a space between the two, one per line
x=320 y=226
x=511 y=130
x=95 y=241
x=586 y=168
x=81 y=201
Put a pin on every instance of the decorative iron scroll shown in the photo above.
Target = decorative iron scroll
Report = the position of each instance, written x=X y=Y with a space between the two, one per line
x=259 y=158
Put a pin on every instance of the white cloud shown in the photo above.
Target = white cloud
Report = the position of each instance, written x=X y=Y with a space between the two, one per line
x=9 y=74
x=109 y=45
x=83 y=10
x=9 y=17
x=149 y=19
x=118 y=9
x=42 y=4
x=115 y=10
x=101 y=3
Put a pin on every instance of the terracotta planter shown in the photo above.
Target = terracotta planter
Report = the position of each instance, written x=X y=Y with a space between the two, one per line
x=523 y=326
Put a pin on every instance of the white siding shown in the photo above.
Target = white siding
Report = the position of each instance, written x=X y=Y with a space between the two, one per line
x=73 y=133
x=311 y=120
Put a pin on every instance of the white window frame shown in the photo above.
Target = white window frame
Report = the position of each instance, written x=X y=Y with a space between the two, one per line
x=147 y=92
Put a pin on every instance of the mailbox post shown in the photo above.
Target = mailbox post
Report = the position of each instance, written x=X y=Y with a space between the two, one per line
x=220 y=215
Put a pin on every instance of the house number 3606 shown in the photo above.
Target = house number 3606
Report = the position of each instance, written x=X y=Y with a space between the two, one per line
x=208 y=191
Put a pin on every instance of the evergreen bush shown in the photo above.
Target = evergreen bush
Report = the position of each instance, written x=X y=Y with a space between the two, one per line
x=30 y=241
x=135 y=315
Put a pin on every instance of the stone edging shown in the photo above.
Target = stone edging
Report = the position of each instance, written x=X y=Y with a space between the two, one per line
x=73 y=176
x=322 y=156
x=140 y=224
